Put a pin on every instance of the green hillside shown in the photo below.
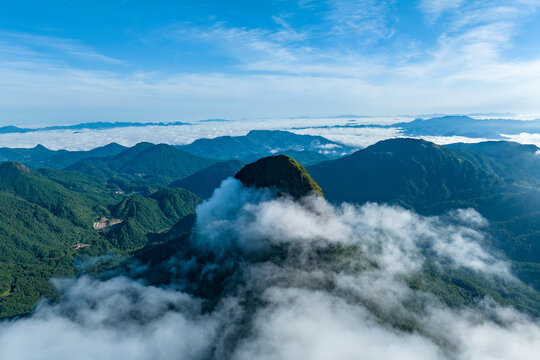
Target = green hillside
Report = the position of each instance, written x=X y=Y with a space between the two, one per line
x=156 y=163
x=146 y=217
x=45 y=212
x=36 y=245
x=29 y=185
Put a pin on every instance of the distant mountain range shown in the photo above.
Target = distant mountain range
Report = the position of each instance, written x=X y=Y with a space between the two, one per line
x=40 y=156
x=91 y=126
x=469 y=127
x=451 y=125
x=308 y=150
x=256 y=144
x=457 y=126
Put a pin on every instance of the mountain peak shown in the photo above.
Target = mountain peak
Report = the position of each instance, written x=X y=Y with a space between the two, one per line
x=40 y=147
x=280 y=173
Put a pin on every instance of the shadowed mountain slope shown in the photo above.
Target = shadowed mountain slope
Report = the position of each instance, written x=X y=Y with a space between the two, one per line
x=204 y=182
x=413 y=173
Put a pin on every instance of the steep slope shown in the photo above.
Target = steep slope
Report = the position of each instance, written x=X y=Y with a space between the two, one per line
x=165 y=160
x=260 y=143
x=176 y=203
x=204 y=182
x=280 y=173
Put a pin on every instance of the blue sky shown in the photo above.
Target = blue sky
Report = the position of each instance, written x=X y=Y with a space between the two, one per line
x=74 y=61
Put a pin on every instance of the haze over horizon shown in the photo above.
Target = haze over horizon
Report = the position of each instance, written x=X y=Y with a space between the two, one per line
x=182 y=61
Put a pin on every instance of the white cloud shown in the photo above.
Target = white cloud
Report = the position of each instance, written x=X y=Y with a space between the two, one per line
x=87 y=139
x=524 y=138
x=435 y=8
x=24 y=42
x=368 y=20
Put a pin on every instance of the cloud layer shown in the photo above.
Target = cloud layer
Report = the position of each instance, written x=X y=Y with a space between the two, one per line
x=184 y=134
x=336 y=287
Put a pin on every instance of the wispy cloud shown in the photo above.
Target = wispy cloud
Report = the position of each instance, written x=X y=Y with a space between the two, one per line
x=433 y=9
x=30 y=45
x=355 y=60
x=366 y=20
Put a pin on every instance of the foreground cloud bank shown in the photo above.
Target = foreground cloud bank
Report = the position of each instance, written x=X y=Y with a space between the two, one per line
x=307 y=280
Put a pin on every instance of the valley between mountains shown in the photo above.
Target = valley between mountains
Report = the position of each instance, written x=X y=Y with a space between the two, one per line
x=66 y=214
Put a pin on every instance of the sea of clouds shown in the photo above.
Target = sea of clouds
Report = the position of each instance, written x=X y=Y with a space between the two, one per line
x=87 y=139
x=300 y=305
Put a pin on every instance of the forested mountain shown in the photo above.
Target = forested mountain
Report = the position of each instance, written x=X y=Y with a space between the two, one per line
x=507 y=159
x=47 y=220
x=410 y=172
x=27 y=184
x=40 y=221
x=279 y=173
x=432 y=179
x=260 y=143
x=47 y=213
x=214 y=276
x=154 y=162
x=145 y=217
